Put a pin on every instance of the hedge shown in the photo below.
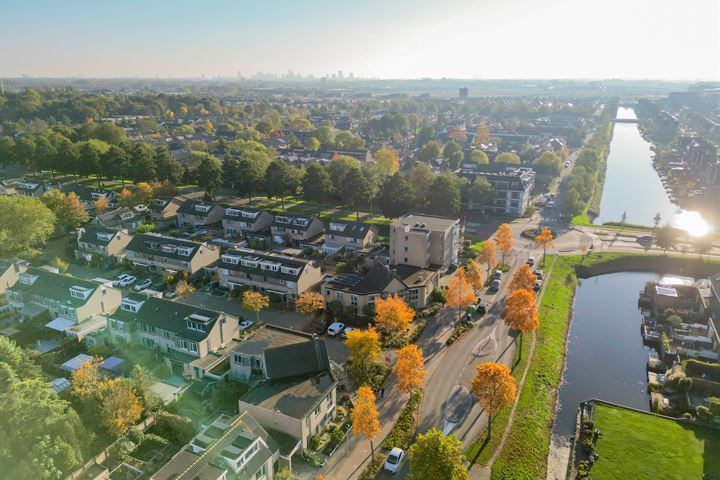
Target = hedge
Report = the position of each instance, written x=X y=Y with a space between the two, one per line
x=697 y=368
x=403 y=431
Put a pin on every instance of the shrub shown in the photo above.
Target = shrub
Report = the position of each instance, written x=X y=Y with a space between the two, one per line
x=373 y=467
x=176 y=428
x=698 y=368
x=403 y=431
x=438 y=295
x=314 y=442
x=312 y=458
x=337 y=436
x=372 y=374
x=461 y=328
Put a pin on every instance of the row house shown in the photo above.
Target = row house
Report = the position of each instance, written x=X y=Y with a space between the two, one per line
x=108 y=243
x=295 y=230
x=88 y=196
x=189 y=339
x=159 y=253
x=247 y=223
x=10 y=272
x=197 y=214
x=42 y=294
x=123 y=217
x=30 y=189
x=163 y=211
x=341 y=235
x=271 y=273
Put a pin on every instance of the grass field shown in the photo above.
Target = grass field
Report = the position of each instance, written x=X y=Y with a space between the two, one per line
x=639 y=446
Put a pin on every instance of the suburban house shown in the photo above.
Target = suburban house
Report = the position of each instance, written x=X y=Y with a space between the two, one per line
x=231 y=447
x=67 y=301
x=102 y=241
x=425 y=241
x=413 y=284
x=30 y=189
x=348 y=235
x=123 y=217
x=513 y=187
x=271 y=273
x=163 y=211
x=296 y=393
x=159 y=253
x=295 y=230
x=248 y=223
x=88 y=196
x=197 y=214
x=9 y=273
x=189 y=339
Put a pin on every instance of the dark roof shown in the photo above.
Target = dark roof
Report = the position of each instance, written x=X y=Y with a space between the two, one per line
x=270 y=336
x=85 y=193
x=379 y=277
x=159 y=208
x=292 y=219
x=116 y=217
x=90 y=235
x=263 y=257
x=297 y=359
x=240 y=218
x=293 y=396
x=348 y=229
x=152 y=243
x=54 y=285
x=188 y=208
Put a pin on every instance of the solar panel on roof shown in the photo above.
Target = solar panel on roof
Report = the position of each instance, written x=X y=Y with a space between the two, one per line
x=347 y=279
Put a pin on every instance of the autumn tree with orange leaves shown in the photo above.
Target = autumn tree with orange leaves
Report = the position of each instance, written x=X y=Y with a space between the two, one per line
x=363 y=346
x=409 y=368
x=393 y=315
x=365 y=418
x=101 y=204
x=184 y=289
x=459 y=294
x=545 y=240
x=521 y=313
x=504 y=239
x=310 y=302
x=523 y=279
x=125 y=198
x=494 y=388
x=475 y=275
x=488 y=255
x=255 y=301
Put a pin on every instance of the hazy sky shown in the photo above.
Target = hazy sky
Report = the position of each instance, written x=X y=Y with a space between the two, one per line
x=669 y=39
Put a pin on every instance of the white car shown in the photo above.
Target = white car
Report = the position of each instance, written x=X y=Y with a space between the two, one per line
x=143 y=285
x=394 y=459
x=119 y=279
x=140 y=208
x=245 y=324
x=531 y=261
x=335 y=328
x=129 y=280
x=346 y=331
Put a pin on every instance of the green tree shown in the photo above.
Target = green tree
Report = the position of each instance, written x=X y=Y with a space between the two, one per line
x=281 y=179
x=338 y=168
x=317 y=184
x=357 y=188
x=422 y=178
x=437 y=457
x=481 y=191
x=25 y=223
x=444 y=196
x=325 y=135
x=250 y=174
x=666 y=237
x=210 y=175
x=396 y=196
x=478 y=157
x=167 y=166
x=509 y=158
x=452 y=152
x=429 y=151
x=549 y=160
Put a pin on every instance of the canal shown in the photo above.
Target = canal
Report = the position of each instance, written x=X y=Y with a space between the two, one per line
x=605 y=354
x=633 y=187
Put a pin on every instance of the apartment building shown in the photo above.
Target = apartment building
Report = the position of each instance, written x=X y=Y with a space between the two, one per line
x=190 y=339
x=198 y=214
x=270 y=273
x=295 y=230
x=348 y=235
x=248 y=223
x=413 y=284
x=106 y=242
x=425 y=241
x=159 y=253
x=513 y=187
x=42 y=294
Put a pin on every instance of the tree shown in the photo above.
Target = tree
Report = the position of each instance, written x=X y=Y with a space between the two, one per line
x=435 y=456
x=475 y=275
x=656 y=220
x=120 y=407
x=144 y=193
x=85 y=380
x=488 y=254
x=524 y=278
x=481 y=192
x=101 y=204
x=340 y=167
x=478 y=157
x=60 y=264
x=429 y=151
x=452 y=152
x=504 y=239
x=521 y=313
x=356 y=188
x=702 y=245
x=325 y=135
x=666 y=237
x=409 y=368
x=210 y=175
x=482 y=135
x=387 y=161
x=393 y=315
x=142 y=163
x=281 y=179
x=363 y=346
x=116 y=163
x=255 y=301
x=494 y=387
x=317 y=184
x=509 y=158
x=69 y=212
x=623 y=218
x=444 y=196
x=365 y=418
x=168 y=168
x=550 y=161
x=310 y=302
x=25 y=222
x=421 y=178
x=396 y=196
x=126 y=198
x=184 y=289
x=545 y=240
x=250 y=174
x=459 y=294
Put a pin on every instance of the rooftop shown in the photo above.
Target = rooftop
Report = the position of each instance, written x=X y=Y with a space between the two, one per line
x=431 y=222
x=294 y=396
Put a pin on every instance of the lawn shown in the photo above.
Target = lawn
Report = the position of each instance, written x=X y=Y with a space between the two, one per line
x=661 y=448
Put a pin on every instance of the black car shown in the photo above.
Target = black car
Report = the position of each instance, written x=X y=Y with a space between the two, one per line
x=482 y=308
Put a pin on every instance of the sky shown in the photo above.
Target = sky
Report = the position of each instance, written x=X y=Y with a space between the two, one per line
x=642 y=39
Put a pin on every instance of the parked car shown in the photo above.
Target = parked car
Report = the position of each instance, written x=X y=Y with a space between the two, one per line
x=567 y=163
x=127 y=281
x=119 y=278
x=539 y=274
x=170 y=294
x=551 y=203
x=245 y=324
x=335 y=328
x=497 y=275
x=142 y=285
x=482 y=308
x=531 y=261
x=495 y=285
x=140 y=208
x=396 y=456
x=538 y=285
x=346 y=331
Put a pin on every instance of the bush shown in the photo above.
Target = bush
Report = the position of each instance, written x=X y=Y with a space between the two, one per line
x=337 y=436
x=399 y=341
x=403 y=431
x=176 y=428
x=314 y=442
x=697 y=368
x=312 y=458
x=438 y=295
x=460 y=329
x=373 y=467
x=372 y=374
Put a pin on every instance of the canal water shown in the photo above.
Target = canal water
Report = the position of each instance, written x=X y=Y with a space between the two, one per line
x=632 y=186
x=605 y=354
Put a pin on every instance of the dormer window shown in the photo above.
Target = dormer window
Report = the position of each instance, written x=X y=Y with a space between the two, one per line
x=203 y=208
x=301 y=222
x=80 y=292
x=338 y=227
x=232 y=259
x=247 y=214
x=96 y=195
x=184 y=251
x=131 y=305
x=104 y=236
x=27 y=279
x=169 y=248
x=281 y=219
x=290 y=270
x=126 y=215
x=197 y=326
x=231 y=212
x=159 y=202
